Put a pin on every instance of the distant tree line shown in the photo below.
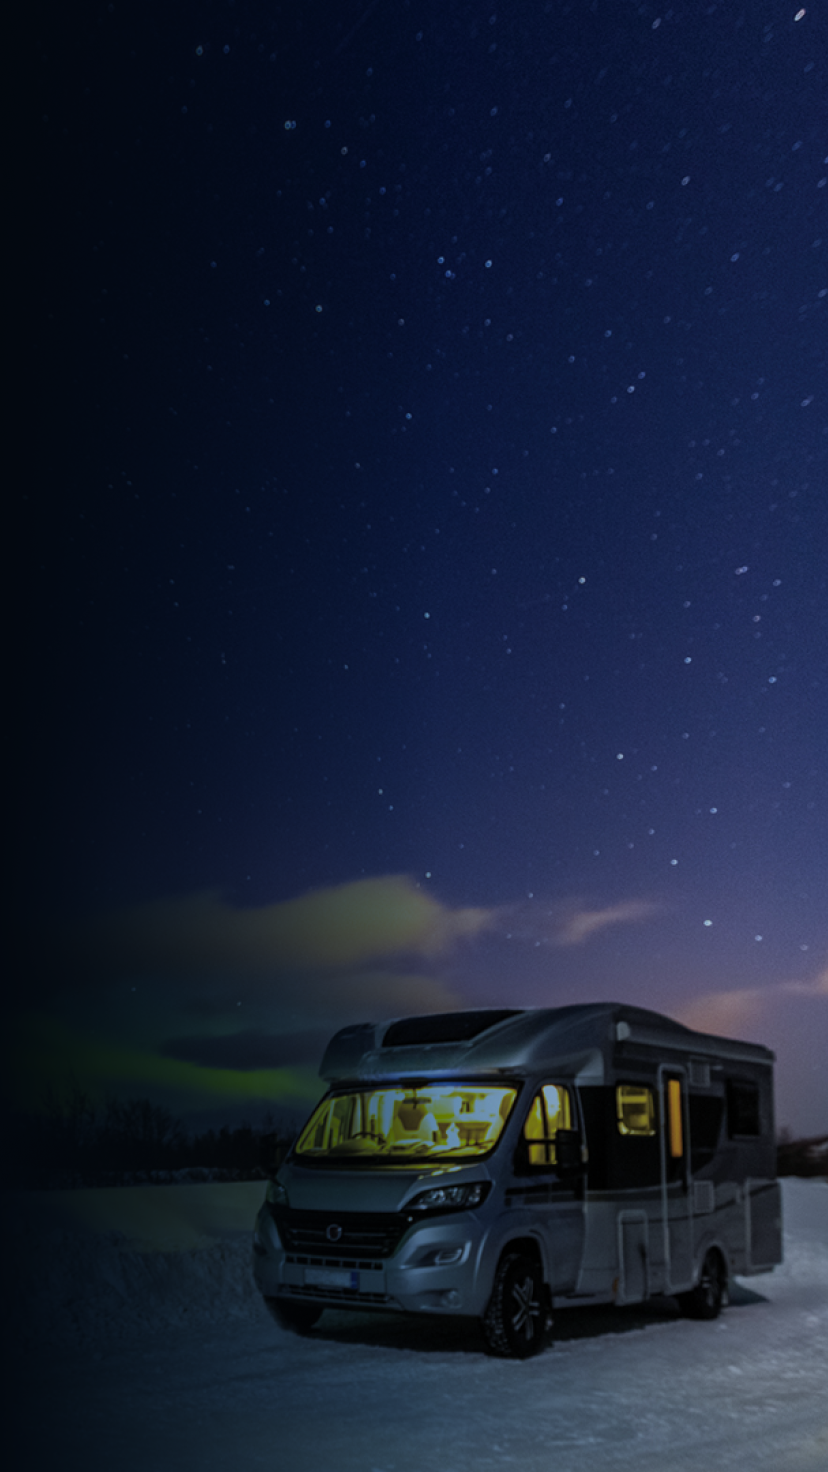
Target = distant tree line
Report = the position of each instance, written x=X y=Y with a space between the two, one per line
x=802 y=1157
x=74 y=1141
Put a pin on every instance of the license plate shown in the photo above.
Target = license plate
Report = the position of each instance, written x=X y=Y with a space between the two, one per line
x=332 y=1278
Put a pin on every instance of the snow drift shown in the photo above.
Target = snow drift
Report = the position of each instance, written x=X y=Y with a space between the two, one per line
x=163 y=1357
x=180 y=1256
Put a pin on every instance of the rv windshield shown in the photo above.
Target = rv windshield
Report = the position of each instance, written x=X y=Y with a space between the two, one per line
x=394 y=1124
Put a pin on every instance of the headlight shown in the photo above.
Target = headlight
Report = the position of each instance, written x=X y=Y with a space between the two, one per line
x=276 y=1194
x=450 y=1198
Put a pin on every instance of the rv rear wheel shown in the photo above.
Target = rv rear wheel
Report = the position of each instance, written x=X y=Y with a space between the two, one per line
x=300 y=1317
x=710 y=1293
x=517 y=1322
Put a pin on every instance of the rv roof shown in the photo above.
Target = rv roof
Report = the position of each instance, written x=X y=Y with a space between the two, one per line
x=494 y=1038
x=456 y=1027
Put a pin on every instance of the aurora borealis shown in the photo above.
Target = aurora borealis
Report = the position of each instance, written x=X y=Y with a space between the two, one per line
x=423 y=581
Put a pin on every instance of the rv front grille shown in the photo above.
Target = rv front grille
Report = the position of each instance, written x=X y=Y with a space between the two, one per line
x=304 y=1259
x=346 y=1233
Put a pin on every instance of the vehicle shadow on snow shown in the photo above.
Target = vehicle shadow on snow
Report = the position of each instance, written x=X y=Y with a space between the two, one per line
x=594 y=1321
x=464 y=1336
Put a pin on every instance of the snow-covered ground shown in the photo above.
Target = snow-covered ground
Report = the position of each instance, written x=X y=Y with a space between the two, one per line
x=164 y=1360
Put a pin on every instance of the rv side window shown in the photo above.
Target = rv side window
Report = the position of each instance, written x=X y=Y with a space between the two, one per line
x=635 y=1110
x=742 y=1108
x=706 y=1112
x=551 y=1111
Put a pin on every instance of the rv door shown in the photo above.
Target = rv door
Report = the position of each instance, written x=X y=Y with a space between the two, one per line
x=676 y=1201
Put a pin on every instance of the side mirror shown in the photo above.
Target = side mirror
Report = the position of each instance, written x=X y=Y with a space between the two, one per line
x=568 y=1152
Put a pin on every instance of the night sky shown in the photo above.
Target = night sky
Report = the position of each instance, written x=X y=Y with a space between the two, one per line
x=423 y=569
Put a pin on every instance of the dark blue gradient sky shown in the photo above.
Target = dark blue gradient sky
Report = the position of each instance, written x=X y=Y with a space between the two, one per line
x=431 y=522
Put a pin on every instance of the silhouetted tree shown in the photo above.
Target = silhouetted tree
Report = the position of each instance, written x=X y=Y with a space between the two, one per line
x=70 y=1140
x=802 y=1157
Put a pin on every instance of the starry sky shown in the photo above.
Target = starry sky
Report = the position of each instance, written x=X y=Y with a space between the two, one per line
x=424 y=566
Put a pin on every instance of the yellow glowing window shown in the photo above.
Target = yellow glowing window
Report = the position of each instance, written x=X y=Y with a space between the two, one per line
x=674 y=1117
x=395 y=1124
x=551 y=1111
x=635 y=1110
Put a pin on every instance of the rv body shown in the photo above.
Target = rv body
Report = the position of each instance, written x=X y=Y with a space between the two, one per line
x=497 y=1163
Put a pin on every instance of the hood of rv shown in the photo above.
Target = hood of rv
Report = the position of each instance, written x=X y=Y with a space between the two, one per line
x=374 y=1190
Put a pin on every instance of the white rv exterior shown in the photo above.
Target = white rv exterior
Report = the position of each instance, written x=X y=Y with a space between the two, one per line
x=496 y=1163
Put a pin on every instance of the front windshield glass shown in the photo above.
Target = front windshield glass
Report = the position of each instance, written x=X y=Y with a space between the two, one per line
x=391 y=1125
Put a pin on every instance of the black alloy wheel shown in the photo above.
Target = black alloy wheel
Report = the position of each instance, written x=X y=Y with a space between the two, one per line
x=518 y=1320
x=707 y=1299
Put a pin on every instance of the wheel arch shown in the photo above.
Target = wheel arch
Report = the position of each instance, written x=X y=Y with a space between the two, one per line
x=528 y=1244
x=491 y=1254
x=710 y=1242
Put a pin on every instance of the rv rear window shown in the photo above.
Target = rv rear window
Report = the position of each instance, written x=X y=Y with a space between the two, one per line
x=635 y=1110
x=742 y=1108
x=706 y=1111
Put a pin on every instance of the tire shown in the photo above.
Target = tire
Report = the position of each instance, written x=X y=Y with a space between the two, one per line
x=709 y=1296
x=298 y=1317
x=517 y=1323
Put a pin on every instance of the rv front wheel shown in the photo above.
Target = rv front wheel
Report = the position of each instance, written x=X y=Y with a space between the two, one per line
x=517 y=1322
x=300 y=1317
x=710 y=1293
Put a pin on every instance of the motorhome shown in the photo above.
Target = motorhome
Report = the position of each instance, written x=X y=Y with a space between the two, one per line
x=499 y=1163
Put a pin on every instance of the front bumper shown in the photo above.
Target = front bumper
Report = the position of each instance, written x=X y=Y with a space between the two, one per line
x=434 y=1268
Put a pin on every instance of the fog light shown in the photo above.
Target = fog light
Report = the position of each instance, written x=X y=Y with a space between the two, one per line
x=447 y=1255
x=441 y=1257
x=451 y=1298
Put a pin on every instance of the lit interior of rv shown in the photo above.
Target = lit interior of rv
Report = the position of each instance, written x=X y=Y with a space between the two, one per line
x=391 y=1124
